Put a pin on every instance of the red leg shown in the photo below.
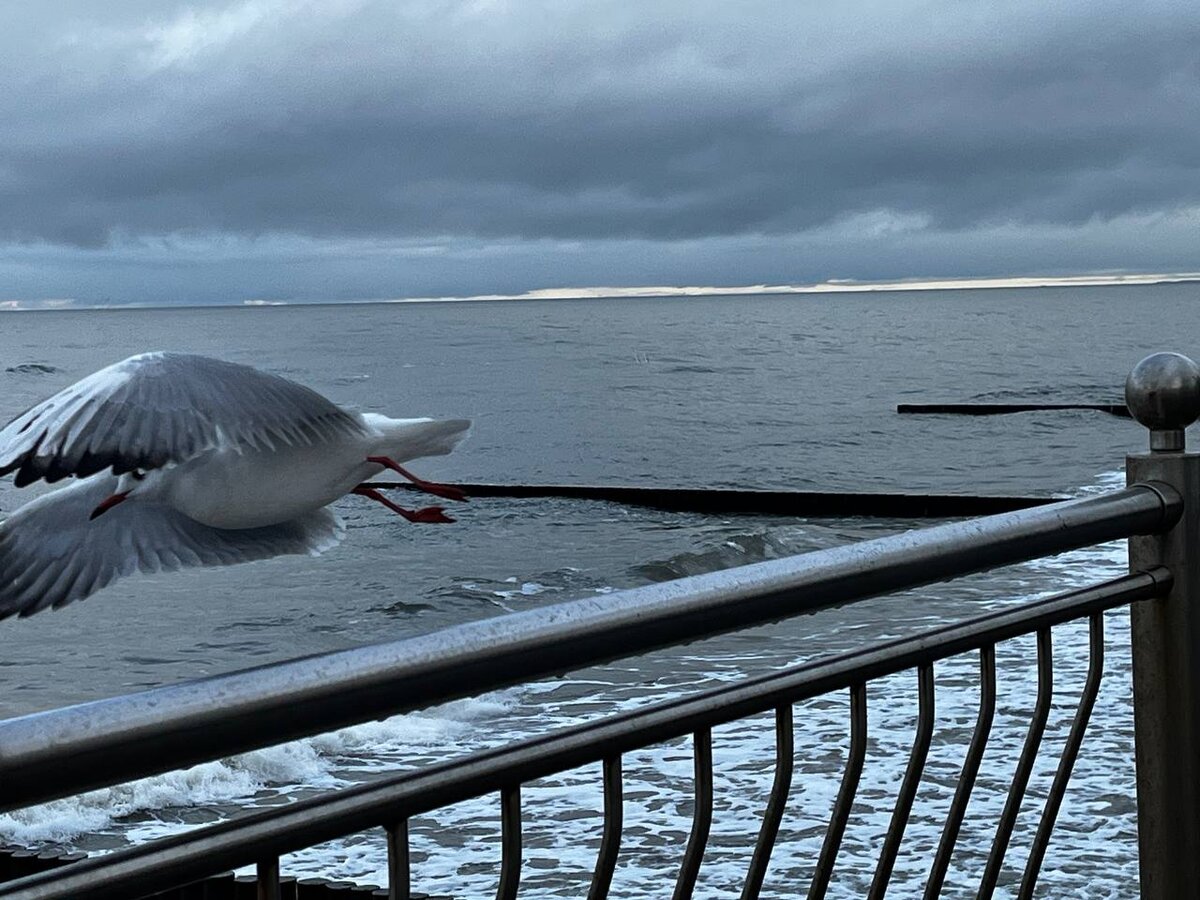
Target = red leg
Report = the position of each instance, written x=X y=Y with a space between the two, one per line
x=428 y=514
x=429 y=487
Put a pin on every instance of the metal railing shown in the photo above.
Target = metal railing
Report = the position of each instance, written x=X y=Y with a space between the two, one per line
x=62 y=752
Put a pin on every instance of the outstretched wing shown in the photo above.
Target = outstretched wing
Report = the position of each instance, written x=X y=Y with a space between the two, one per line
x=52 y=554
x=159 y=408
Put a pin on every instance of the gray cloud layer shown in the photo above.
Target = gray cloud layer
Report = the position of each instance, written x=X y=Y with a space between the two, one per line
x=622 y=123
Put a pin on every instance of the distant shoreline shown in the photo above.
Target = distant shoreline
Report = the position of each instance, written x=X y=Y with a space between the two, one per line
x=833 y=286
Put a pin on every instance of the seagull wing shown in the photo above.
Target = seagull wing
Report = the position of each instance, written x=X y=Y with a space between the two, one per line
x=159 y=408
x=51 y=554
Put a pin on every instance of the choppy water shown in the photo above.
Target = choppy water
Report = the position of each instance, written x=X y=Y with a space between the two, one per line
x=750 y=392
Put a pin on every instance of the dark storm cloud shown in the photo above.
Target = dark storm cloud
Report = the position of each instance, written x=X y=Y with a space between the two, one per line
x=600 y=120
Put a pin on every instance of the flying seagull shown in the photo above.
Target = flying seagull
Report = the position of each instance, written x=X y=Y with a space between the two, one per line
x=181 y=460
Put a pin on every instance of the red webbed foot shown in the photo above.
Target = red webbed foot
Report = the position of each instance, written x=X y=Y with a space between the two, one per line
x=449 y=492
x=428 y=515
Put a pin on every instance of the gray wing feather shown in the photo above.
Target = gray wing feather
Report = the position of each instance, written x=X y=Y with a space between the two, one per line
x=51 y=554
x=159 y=408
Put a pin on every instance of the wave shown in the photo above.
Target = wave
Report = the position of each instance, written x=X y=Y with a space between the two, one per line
x=1062 y=392
x=317 y=762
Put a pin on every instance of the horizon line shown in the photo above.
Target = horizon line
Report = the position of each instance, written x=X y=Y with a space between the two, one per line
x=830 y=286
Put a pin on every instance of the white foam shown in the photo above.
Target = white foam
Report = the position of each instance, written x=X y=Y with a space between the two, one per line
x=419 y=730
x=63 y=820
x=312 y=762
x=526 y=589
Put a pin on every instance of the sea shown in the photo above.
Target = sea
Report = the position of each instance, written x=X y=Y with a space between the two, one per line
x=773 y=391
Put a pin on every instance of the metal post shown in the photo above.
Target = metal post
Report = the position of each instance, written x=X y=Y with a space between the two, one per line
x=1163 y=393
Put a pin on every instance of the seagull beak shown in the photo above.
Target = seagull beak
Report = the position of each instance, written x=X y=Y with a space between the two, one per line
x=108 y=504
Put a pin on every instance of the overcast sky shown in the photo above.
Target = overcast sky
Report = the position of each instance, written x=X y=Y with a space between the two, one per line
x=217 y=152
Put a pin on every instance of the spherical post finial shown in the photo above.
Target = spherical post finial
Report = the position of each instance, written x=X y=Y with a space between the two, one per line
x=1163 y=393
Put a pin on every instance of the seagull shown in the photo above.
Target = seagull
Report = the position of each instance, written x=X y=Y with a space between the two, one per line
x=180 y=460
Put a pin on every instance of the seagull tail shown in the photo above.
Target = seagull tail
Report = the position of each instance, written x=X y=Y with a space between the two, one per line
x=405 y=439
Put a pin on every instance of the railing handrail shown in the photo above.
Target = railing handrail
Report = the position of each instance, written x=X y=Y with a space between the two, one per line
x=61 y=752
x=193 y=855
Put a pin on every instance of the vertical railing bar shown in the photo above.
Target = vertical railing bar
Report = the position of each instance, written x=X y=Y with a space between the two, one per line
x=785 y=752
x=510 y=842
x=1067 y=761
x=701 y=818
x=845 y=798
x=908 y=787
x=970 y=769
x=1029 y=752
x=399 y=870
x=610 y=843
x=267 y=876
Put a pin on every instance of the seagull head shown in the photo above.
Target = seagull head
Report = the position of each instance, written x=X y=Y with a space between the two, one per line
x=130 y=484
